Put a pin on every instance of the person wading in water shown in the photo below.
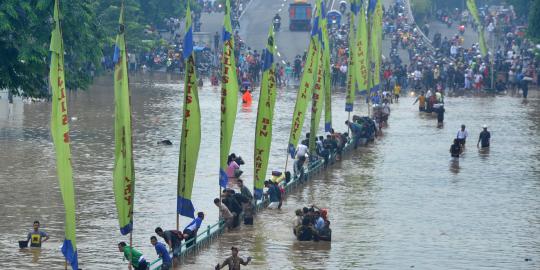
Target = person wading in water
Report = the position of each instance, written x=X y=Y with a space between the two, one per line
x=455 y=149
x=233 y=261
x=37 y=237
x=484 y=138
x=462 y=135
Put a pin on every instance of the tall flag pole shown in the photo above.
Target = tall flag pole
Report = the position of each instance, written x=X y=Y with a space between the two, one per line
x=61 y=140
x=327 y=73
x=124 y=168
x=318 y=91
x=229 y=95
x=304 y=92
x=265 y=113
x=124 y=171
x=471 y=5
x=191 y=128
x=376 y=40
x=362 y=51
x=351 y=61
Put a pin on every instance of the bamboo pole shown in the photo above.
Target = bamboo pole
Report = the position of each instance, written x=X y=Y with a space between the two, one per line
x=286 y=161
x=130 y=248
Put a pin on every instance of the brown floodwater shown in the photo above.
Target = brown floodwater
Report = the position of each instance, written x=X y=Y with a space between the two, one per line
x=398 y=203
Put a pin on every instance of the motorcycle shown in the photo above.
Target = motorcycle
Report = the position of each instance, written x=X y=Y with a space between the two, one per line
x=277 y=25
x=461 y=29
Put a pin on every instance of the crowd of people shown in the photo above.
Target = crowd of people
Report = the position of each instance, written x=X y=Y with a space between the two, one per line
x=172 y=245
x=312 y=224
x=444 y=64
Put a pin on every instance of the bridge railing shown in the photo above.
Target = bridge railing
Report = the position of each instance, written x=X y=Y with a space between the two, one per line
x=205 y=237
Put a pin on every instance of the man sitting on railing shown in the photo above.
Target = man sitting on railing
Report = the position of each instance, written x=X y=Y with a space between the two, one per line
x=190 y=232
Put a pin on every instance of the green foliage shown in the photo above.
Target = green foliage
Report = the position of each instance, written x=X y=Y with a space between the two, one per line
x=533 y=30
x=89 y=28
x=108 y=12
x=25 y=28
x=421 y=8
x=521 y=7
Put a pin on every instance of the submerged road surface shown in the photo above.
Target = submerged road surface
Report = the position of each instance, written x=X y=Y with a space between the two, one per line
x=395 y=204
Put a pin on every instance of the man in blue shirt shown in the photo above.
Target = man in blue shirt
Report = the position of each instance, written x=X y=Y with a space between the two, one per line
x=190 y=232
x=319 y=221
x=356 y=131
x=274 y=195
x=161 y=250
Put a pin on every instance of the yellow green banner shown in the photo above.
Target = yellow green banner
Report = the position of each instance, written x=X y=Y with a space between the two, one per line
x=124 y=171
x=482 y=41
x=317 y=96
x=471 y=5
x=61 y=140
x=304 y=92
x=265 y=113
x=229 y=95
x=327 y=76
x=351 y=67
x=190 y=139
x=376 y=41
x=362 y=52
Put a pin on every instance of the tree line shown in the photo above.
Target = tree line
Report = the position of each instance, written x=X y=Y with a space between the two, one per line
x=89 y=27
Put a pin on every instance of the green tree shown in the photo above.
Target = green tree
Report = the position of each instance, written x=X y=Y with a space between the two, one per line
x=533 y=30
x=89 y=28
x=108 y=12
x=25 y=28
x=421 y=9
x=521 y=7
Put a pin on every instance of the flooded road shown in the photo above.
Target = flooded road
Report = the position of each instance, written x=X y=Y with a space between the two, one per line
x=398 y=203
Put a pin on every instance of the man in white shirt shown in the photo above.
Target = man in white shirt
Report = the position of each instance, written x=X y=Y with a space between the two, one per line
x=224 y=213
x=453 y=50
x=301 y=151
x=462 y=135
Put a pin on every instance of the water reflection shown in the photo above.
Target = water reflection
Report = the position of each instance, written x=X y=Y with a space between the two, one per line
x=454 y=165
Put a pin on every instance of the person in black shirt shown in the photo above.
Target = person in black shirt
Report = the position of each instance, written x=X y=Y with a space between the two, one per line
x=234 y=206
x=484 y=138
x=455 y=149
x=325 y=233
x=306 y=232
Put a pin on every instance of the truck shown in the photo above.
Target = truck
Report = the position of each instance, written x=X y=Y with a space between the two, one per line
x=300 y=13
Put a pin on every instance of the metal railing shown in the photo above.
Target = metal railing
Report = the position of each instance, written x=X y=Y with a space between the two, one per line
x=205 y=237
x=412 y=22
